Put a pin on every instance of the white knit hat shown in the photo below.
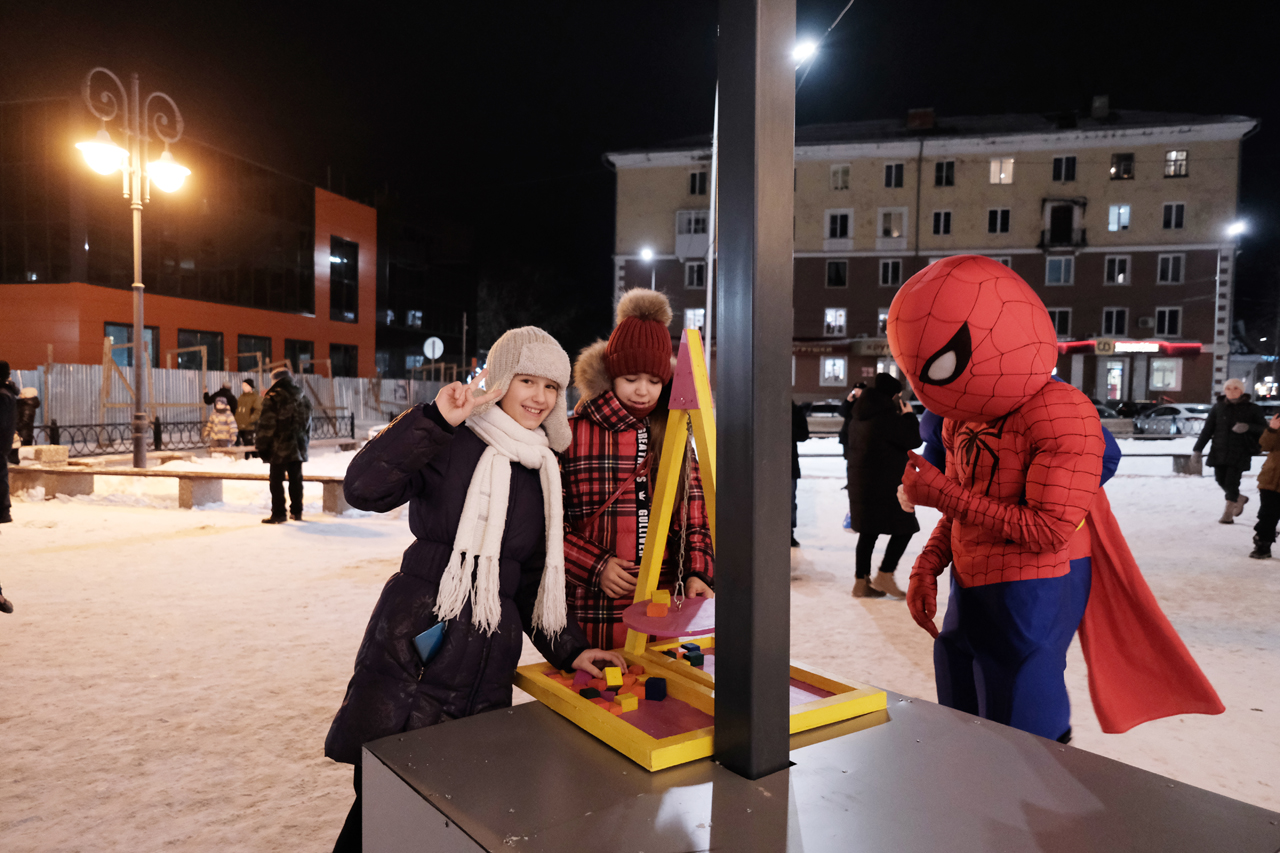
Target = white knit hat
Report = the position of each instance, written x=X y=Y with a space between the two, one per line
x=532 y=352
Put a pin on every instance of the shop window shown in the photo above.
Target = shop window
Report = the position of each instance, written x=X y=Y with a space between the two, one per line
x=1166 y=374
x=835 y=371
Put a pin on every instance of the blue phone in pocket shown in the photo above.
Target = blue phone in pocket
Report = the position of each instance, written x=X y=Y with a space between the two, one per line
x=429 y=641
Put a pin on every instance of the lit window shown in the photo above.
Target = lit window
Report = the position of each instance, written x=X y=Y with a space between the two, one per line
x=837 y=273
x=1001 y=170
x=998 y=220
x=1170 y=268
x=893 y=174
x=890 y=273
x=1061 y=318
x=835 y=370
x=413 y=319
x=1118 y=217
x=892 y=223
x=944 y=173
x=882 y=322
x=694 y=317
x=1175 y=164
x=1117 y=269
x=691 y=222
x=942 y=222
x=1064 y=168
x=389 y=317
x=695 y=275
x=1121 y=167
x=1060 y=271
x=839 y=177
x=698 y=183
x=1115 y=321
x=1168 y=322
x=1166 y=374
x=1174 y=214
x=833 y=322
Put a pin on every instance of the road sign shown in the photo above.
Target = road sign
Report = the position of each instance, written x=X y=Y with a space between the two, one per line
x=432 y=348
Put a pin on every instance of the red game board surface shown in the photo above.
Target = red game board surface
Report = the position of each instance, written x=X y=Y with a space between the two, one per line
x=800 y=692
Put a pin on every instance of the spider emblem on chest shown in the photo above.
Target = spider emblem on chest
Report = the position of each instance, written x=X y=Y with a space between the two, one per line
x=973 y=442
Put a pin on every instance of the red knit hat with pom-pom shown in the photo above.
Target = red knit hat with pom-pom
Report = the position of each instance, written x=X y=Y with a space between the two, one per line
x=641 y=343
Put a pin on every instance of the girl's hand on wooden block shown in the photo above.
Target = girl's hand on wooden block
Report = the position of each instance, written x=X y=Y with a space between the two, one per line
x=587 y=661
x=695 y=588
x=616 y=580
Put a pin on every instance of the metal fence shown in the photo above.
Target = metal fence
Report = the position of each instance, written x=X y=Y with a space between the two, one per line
x=104 y=439
x=71 y=394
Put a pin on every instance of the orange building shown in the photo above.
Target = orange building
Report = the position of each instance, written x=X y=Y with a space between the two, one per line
x=241 y=260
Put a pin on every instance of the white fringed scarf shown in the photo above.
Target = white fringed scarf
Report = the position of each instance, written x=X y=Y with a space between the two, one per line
x=484 y=519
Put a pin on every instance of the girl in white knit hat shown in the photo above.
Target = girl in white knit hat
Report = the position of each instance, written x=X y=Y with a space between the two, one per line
x=480 y=474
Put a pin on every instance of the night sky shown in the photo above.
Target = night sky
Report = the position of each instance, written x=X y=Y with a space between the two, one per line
x=496 y=114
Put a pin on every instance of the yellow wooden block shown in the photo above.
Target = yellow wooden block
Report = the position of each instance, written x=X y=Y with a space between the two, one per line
x=613 y=677
x=661 y=596
x=626 y=701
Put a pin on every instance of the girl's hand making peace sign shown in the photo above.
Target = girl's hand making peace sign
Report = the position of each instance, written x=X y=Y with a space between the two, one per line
x=456 y=401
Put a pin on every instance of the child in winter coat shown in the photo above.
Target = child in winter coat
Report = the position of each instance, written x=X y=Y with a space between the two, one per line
x=220 y=429
x=609 y=471
x=1264 y=533
x=480 y=475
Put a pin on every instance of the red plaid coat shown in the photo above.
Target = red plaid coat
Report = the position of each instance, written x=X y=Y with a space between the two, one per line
x=608 y=444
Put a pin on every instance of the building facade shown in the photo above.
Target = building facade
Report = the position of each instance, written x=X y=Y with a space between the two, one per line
x=1118 y=220
x=242 y=260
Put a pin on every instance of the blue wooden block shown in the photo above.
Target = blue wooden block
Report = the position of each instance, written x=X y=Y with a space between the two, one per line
x=655 y=689
x=589 y=693
x=672 y=653
x=693 y=658
x=691 y=647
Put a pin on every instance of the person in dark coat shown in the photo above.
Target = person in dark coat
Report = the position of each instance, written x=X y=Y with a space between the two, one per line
x=8 y=421
x=846 y=413
x=1234 y=425
x=799 y=433
x=883 y=428
x=284 y=433
x=225 y=393
x=433 y=456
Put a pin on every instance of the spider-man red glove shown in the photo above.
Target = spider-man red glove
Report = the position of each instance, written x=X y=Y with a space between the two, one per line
x=922 y=600
x=925 y=485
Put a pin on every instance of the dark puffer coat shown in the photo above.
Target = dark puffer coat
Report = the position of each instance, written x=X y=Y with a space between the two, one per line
x=1232 y=449
x=879 y=438
x=284 y=428
x=421 y=459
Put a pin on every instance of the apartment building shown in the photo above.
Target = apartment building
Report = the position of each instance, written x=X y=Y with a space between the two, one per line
x=1118 y=219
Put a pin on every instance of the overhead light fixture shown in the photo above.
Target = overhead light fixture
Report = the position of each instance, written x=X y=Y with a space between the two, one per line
x=646 y=254
x=103 y=155
x=804 y=51
x=166 y=173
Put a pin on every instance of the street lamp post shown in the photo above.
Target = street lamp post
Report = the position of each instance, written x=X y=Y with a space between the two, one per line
x=137 y=119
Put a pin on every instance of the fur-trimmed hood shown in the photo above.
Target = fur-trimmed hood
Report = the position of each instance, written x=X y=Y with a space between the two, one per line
x=590 y=375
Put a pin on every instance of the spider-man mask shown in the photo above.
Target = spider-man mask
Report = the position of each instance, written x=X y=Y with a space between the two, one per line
x=974 y=339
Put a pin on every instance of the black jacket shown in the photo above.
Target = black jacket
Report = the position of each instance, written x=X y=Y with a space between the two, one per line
x=419 y=458
x=799 y=433
x=284 y=428
x=26 y=420
x=1232 y=449
x=8 y=415
x=879 y=438
x=224 y=393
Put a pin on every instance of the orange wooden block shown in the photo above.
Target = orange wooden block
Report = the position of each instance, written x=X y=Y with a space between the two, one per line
x=617 y=710
x=602 y=702
x=655 y=610
x=628 y=680
x=598 y=684
x=635 y=669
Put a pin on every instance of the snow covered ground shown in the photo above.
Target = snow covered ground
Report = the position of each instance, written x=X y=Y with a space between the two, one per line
x=169 y=675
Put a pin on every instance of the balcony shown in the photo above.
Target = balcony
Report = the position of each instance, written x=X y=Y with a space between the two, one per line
x=1062 y=238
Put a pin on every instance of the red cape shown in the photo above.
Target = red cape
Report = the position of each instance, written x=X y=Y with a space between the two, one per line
x=1139 y=669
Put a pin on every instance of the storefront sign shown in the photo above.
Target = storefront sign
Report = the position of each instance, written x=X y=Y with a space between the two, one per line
x=1137 y=346
x=1104 y=346
x=878 y=347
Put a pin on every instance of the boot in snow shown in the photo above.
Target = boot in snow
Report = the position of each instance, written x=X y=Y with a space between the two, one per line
x=862 y=588
x=1239 y=504
x=1261 y=550
x=884 y=583
x=1228 y=514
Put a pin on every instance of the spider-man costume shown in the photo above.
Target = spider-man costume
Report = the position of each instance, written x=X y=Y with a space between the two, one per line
x=1034 y=547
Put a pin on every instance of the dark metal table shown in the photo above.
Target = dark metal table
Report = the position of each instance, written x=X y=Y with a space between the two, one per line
x=917 y=777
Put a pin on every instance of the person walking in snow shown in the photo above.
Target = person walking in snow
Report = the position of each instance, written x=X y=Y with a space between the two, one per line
x=1234 y=425
x=480 y=474
x=284 y=433
x=881 y=431
x=248 y=411
x=1264 y=532
x=220 y=429
x=8 y=420
x=799 y=433
x=608 y=469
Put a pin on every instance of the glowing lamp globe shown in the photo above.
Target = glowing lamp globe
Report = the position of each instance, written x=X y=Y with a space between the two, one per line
x=166 y=173
x=103 y=155
x=804 y=51
x=646 y=254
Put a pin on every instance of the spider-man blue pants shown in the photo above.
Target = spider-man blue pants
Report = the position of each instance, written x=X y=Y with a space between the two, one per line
x=1002 y=650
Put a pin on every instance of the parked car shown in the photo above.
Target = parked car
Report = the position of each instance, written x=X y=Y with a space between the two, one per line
x=823 y=417
x=1172 y=419
x=1105 y=412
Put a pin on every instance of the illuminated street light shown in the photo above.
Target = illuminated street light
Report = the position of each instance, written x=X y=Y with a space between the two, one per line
x=102 y=154
x=646 y=255
x=138 y=121
x=804 y=51
x=1235 y=229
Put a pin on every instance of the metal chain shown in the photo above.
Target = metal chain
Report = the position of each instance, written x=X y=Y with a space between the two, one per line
x=684 y=511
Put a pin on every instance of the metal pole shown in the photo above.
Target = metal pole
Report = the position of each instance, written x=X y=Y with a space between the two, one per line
x=653 y=274
x=708 y=322
x=757 y=156
x=139 y=351
x=464 y=341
